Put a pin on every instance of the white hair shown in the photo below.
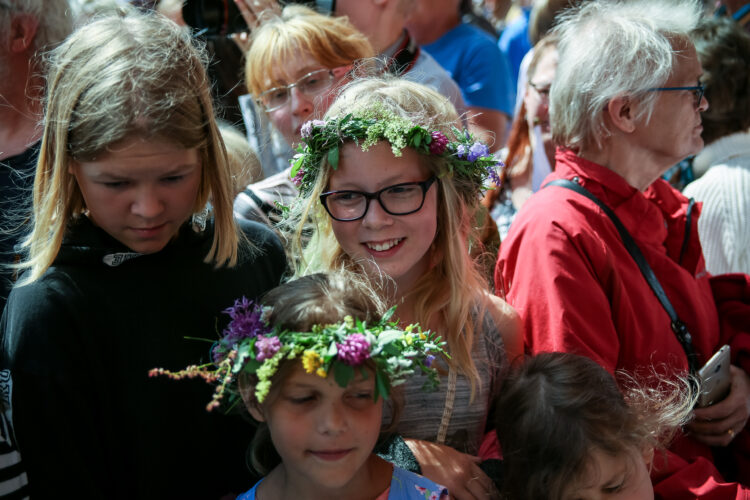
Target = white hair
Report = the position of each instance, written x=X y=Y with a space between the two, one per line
x=611 y=48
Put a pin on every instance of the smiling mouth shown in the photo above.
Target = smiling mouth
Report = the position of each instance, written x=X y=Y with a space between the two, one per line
x=385 y=245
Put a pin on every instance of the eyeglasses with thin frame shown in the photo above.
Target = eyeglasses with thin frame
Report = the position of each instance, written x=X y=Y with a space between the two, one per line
x=312 y=84
x=399 y=199
x=542 y=91
x=697 y=90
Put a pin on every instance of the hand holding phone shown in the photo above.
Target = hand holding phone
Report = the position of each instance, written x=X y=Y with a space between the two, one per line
x=714 y=377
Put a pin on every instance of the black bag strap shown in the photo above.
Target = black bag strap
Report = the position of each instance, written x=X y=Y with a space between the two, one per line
x=678 y=327
x=688 y=227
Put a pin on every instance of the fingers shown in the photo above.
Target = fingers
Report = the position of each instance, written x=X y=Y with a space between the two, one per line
x=242 y=40
x=712 y=425
x=253 y=10
x=248 y=15
x=478 y=487
x=722 y=439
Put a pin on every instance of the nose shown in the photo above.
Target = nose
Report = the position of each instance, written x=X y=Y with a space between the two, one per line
x=332 y=419
x=703 y=105
x=147 y=203
x=302 y=105
x=376 y=217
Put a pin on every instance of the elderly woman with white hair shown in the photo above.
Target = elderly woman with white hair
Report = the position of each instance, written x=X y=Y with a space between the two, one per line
x=622 y=115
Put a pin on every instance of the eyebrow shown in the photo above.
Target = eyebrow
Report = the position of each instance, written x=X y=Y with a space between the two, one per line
x=178 y=169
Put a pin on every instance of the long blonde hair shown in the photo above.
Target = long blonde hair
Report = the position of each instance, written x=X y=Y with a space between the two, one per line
x=450 y=298
x=118 y=77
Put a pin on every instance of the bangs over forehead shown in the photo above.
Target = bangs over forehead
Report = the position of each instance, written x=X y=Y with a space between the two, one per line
x=331 y=41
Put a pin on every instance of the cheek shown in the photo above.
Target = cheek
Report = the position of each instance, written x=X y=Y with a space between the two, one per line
x=281 y=119
x=346 y=235
x=370 y=422
x=428 y=219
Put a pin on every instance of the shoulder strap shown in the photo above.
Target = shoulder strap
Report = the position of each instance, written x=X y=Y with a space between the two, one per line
x=678 y=327
x=688 y=226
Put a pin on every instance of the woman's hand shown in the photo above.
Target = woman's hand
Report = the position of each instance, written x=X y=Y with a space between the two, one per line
x=457 y=471
x=716 y=425
x=253 y=12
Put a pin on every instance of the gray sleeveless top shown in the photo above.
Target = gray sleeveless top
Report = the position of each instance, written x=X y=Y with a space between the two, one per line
x=423 y=411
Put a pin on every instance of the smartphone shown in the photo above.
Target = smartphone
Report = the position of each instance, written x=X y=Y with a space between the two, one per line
x=714 y=378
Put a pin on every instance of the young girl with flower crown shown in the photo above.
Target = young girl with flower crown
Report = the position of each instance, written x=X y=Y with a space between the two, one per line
x=313 y=365
x=568 y=432
x=391 y=186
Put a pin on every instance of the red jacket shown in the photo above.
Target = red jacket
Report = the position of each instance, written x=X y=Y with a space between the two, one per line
x=566 y=271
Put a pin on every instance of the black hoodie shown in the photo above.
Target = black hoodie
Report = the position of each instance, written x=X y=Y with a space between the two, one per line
x=79 y=343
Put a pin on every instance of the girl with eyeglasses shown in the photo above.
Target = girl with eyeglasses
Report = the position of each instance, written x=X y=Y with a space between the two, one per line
x=391 y=185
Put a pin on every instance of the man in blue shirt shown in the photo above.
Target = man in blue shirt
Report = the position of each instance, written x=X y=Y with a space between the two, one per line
x=474 y=61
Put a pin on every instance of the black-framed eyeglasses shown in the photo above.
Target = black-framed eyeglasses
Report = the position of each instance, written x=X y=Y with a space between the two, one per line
x=311 y=85
x=542 y=91
x=697 y=90
x=400 y=199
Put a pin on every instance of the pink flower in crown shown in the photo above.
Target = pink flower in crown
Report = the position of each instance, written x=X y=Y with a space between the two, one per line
x=355 y=350
x=438 y=144
x=266 y=347
x=297 y=180
x=307 y=128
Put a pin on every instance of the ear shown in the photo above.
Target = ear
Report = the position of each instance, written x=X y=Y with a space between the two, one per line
x=648 y=456
x=620 y=112
x=255 y=411
x=252 y=405
x=22 y=32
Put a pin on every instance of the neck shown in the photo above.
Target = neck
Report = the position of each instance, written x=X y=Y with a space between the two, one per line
x=441 y=26
x=284 y=484
x=639 y=168
x=386 y=34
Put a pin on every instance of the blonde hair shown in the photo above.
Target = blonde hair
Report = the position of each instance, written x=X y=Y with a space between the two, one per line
x=243 y=162
x=331 y=41
x=452 y=294
x=119 y=77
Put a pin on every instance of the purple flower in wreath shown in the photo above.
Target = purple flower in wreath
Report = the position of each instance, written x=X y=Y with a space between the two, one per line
x=461 y=151
x=492 y=172
x=439 y=143
x=355 y=349
x=306 y=129
x=266 y=347
x=428 y=360
x=478 y=150
x=246 y=321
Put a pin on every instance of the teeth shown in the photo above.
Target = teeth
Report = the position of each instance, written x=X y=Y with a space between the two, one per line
x=381 y=247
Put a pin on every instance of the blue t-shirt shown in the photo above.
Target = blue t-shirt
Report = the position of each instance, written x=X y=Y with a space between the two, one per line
x=514 y=43
x=475 y=62
x=405 y=485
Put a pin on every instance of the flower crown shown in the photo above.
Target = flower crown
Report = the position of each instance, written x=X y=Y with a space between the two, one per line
x=466 y=157
x=250 y=345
